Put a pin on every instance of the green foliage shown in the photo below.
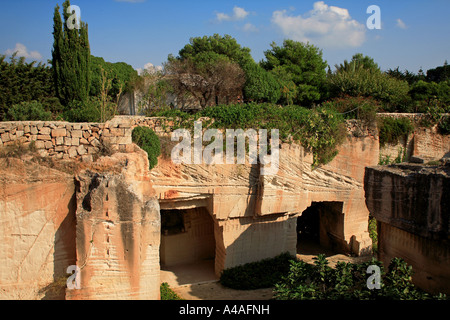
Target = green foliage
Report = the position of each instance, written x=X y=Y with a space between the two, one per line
x=256 y=275
x=444 y=125
x=87 y=111
x=304 y=63
x=360 y=108
x=358 y=61
x=26 y=82
x=221 y=45
x=393 y=93
x=320 y=130
x=347 y=281
x=439 y=74
x=167 y=293
x=261 y=85
x=121 y=75
x=423 y=93
x=392 y=129
x=148 y=141
x=70 y=58
x=373 y=233
x=28 y=111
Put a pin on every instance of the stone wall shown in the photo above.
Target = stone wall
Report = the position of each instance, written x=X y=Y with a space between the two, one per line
x=424 y=142
x=82 y=141
x=411 y=205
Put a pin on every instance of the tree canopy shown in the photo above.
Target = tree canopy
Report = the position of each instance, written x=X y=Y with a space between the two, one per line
x=305 y=65
x=70 y=58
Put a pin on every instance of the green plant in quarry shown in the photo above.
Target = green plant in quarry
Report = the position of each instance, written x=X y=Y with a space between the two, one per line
x=320 y=130
x=148 y=141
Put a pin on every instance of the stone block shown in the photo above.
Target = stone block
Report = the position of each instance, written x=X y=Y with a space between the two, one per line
x=77 y=134
x=87 y=158
x=67 y=141
x=44 y=137
x=59 y=141
x=45 y=131
x=72 y=152
x=81 y=150
x=5 y=137
x=33 y=130
x=59 y=133
x=76 y=142
x=40 y=144
x=48 y=145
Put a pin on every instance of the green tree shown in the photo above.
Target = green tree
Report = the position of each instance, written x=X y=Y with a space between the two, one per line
x=222 y=45
x=260 y=85
x=209 y=77
x=367 y=80
x=70 y=58
x=439 y=74
x=358 y=61
x=121 y=74
x=304 y=63
x=26 y=82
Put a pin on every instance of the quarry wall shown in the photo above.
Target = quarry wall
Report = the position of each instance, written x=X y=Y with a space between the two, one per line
x=411 y=205
x=106 y=219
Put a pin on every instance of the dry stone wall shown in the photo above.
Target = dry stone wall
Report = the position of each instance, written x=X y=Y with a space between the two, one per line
x=82 y=141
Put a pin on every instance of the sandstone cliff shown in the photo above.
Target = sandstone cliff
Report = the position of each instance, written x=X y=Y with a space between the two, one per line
x=412 y=207
x=104 y=219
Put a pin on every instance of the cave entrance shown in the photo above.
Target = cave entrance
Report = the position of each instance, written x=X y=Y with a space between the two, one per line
x=188 y=247
x=320 y=229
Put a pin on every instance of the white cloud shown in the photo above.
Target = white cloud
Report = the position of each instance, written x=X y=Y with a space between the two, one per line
x=248 y=27
x=325 y=26
x=149 y=68
x=22 y=51
x=401 y=24
x=238 y=14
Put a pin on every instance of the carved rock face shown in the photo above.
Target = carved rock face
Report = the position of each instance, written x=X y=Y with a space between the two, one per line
x=118 y=232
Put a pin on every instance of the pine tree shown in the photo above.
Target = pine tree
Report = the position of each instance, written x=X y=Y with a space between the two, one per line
x=70 y=58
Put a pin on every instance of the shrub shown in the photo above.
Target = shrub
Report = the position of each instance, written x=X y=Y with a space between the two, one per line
x=320 y=130
x=257 y=275
x=370 y=83
x=347 y=281
x=360 y=108
x=78 y=111
x=147 y=140
x=444 y=125
x=167 y=293
x=28 y=111
x=392 y=129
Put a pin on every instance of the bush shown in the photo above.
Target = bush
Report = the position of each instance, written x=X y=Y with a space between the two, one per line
x=320 y=130
x=28 y=111
x=78 y=111
x=347 y=281
x=148 y=141
x=167 y=293
x=257 y=275
x=392 y=129
x=444 y=125
x=393 y=93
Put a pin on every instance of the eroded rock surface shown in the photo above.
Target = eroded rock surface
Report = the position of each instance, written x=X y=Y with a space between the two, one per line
x=412 y=207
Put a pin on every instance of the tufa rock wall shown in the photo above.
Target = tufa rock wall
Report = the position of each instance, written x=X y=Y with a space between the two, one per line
x=412 y=207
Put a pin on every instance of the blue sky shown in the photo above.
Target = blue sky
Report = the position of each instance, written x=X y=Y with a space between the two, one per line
x=414 y=33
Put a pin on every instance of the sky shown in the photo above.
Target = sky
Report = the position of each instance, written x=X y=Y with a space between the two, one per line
x=414 y=34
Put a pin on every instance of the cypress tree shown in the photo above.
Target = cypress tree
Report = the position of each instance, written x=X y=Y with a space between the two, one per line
x=70 y=58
